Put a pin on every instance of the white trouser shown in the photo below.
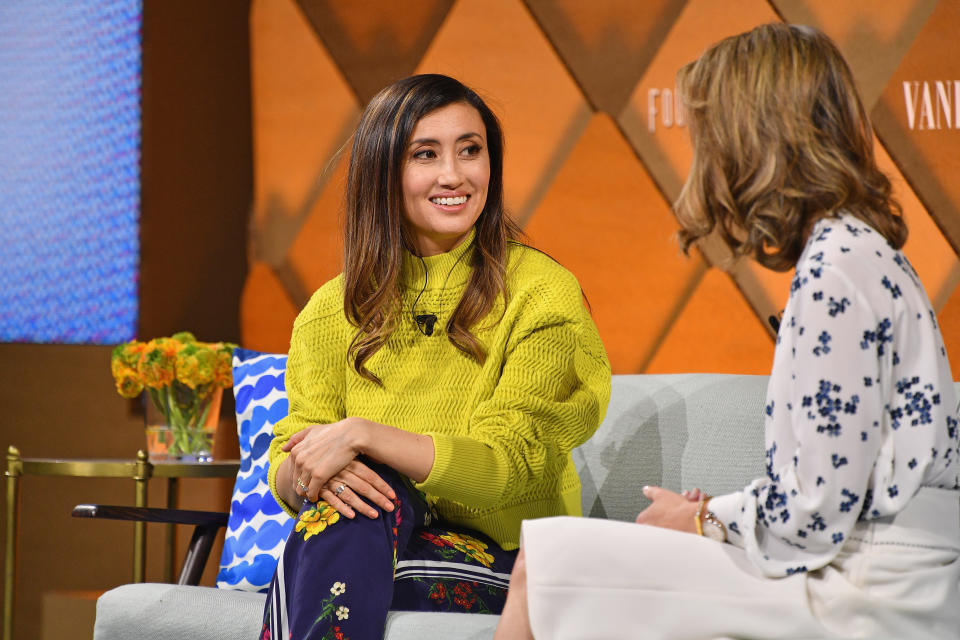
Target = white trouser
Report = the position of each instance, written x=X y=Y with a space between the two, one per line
x=896 y=578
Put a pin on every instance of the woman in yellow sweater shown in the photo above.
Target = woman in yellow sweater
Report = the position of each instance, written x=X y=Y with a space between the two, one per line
x=437 y=386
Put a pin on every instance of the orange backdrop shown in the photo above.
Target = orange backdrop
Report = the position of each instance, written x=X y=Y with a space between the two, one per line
x=596 y=149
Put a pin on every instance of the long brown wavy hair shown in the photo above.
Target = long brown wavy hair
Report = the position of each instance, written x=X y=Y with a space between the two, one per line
x=780 y=140
x=376 y=235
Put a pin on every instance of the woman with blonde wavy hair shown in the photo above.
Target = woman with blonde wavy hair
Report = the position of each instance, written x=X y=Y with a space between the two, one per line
x=436 y=387
x=854 y=532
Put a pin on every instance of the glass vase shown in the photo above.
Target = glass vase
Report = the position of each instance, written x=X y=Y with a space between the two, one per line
x=181 y=422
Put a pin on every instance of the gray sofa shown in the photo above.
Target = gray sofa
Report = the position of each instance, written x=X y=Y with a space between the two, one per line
x=677 y=431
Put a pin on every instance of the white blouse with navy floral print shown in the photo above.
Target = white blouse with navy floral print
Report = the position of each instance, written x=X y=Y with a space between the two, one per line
x=861 y=409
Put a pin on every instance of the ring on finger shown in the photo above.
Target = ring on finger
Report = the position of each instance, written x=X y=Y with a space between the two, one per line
x=301 y=484
x=340 y=490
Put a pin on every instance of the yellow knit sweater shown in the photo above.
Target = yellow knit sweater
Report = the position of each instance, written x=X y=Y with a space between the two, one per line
x=502 y=431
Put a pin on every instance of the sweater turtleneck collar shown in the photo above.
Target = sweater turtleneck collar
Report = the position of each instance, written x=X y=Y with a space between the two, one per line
x=450 y=269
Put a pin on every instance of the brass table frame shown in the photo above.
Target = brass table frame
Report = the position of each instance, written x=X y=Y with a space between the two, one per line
x=139 y=470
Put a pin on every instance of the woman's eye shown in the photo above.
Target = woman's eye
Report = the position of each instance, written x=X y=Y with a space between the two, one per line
x=472 y=150
x=424 y=154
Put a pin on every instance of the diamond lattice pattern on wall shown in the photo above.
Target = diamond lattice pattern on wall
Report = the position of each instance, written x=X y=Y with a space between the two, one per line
x=596 y=150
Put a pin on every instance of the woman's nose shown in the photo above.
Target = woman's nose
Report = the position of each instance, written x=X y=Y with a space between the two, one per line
x=450 y=174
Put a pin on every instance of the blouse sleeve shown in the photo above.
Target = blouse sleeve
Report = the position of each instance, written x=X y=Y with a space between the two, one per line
x=824 y=417
x=314 y=383
x=550 y=397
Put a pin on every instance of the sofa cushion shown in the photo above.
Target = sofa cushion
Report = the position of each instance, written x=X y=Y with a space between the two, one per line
x=676 y=431
x=173 y=612
x=257 y=528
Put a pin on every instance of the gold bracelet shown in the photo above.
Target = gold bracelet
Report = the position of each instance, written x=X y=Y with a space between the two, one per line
x=698 y=519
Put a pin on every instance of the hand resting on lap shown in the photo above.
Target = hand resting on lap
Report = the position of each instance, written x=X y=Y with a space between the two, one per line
x=323 y=457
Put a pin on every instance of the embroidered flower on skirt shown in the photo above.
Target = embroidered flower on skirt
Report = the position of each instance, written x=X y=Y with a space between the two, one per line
x=470 y=547
x=397 y=521
x=450 y=594
x=315 y=519
x=444 y=570
x=330 y=608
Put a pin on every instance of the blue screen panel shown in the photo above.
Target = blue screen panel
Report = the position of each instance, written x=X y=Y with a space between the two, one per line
x=69 y=170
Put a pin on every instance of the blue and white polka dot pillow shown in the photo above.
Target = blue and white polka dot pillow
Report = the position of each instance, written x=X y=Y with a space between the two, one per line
x=257 y=527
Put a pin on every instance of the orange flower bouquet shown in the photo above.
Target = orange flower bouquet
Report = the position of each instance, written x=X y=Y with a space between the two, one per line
x=183 y=378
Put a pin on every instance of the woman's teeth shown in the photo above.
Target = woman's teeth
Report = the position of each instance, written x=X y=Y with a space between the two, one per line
x=449 y=201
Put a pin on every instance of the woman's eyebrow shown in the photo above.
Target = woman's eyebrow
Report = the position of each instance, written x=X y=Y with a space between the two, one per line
x=465 y=136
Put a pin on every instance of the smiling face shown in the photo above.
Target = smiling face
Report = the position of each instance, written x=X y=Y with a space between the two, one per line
x=445 y=177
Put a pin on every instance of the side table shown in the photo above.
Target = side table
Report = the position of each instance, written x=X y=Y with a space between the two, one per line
x=139 y=470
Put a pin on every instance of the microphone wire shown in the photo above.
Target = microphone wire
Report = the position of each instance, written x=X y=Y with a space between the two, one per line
x=413 y=308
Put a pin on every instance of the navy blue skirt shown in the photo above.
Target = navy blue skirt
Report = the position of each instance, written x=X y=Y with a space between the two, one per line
x=338 y=577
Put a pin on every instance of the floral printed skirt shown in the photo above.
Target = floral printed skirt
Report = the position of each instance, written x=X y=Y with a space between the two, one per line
x=338 y=577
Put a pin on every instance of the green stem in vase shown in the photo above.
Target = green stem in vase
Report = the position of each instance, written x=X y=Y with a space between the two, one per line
x=184 y=411
x=182 y=440
x=158 y=402
x=177 y=417
x=203 y=409
x=195 y=406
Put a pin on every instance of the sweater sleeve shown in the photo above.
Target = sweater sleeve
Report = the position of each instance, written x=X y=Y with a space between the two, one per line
x=314 y=381
x=551 y=396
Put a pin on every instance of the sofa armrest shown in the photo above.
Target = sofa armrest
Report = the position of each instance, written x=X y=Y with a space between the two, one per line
x=206 y=525
x=149 y=514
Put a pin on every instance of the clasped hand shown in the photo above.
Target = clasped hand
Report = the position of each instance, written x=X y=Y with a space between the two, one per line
x=323 y=458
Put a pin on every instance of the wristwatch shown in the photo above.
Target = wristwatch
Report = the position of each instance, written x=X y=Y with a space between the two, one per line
x=708 y=525
x=713 y=528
